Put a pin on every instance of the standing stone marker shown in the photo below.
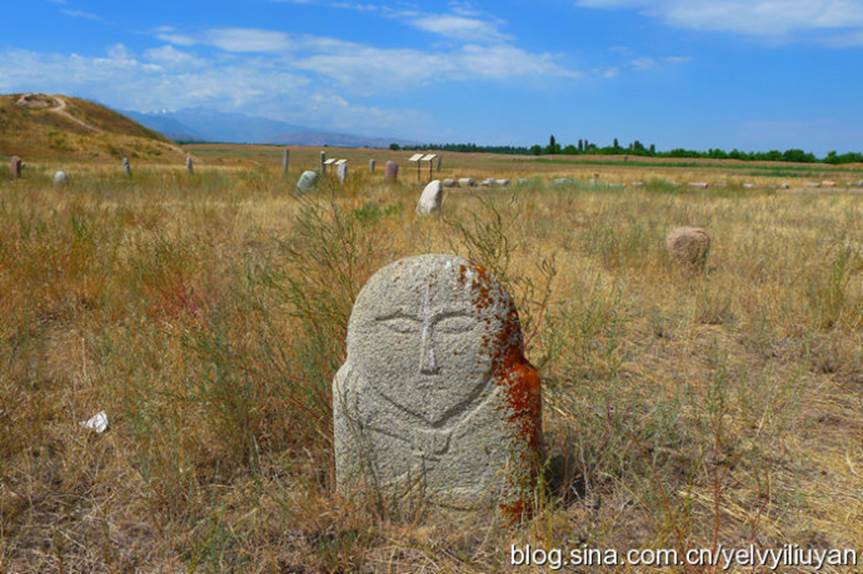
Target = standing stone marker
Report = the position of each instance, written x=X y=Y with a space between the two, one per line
x=15 y=166
x=392 y=171
x=342 y=172
x=127 y=167
x=60 y=178
x=372 y=166
x=439 y=163
x=307 y=182
x=286 y=161
x=431 y=199
x=436 y=402
x=323 y=163
x=190 y=164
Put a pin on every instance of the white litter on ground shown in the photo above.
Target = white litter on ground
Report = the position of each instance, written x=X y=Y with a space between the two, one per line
x=98 y=422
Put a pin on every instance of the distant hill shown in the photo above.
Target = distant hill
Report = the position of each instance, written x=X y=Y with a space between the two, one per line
x=203 y=125
x=41 y=127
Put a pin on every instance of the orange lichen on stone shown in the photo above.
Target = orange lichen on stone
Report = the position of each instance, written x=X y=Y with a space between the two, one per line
x=513 y=372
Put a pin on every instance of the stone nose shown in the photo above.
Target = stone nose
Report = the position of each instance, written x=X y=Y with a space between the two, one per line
x=428 y=360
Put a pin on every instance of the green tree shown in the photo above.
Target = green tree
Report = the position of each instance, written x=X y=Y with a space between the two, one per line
x=395 y=147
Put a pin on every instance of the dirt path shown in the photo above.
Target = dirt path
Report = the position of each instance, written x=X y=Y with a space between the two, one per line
x=60 y=109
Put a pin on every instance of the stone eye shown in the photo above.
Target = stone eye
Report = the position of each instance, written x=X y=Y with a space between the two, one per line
x=455 y=324
x=401 y=324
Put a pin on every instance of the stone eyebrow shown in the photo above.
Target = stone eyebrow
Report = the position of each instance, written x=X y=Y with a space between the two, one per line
x=455 y=311
x=398 y=314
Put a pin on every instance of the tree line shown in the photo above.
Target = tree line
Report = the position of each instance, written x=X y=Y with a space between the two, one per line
x=638 y=149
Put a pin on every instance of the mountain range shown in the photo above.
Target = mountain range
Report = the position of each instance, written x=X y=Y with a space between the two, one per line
x=205 y=125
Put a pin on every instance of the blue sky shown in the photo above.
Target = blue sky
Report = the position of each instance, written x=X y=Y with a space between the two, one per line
x=752 y=74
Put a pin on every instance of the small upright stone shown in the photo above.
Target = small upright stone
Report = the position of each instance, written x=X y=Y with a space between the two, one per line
x=449 y=183
x=342 y=172
x=190 y=164
x=60 y=178
x=286 y=160
x=392 y=171
x=15 y=166
x=431 y=199
x=127 y=167
x=688 y=247
x=436 y=405
x=307 y=182
x=324 y=162
x=466 y=182
x=373 y=165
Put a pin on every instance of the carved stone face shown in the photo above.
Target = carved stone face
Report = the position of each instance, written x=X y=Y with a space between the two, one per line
x=423 y=337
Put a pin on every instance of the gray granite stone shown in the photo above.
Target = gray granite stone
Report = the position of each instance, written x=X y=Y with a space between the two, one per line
x=307 y=182
x=436 y=403
x=431 y=199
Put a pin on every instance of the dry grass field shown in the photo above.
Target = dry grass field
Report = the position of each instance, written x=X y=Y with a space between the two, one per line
x=206 y=315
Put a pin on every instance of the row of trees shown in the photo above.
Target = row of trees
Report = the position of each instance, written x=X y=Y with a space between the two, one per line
x=636 y=148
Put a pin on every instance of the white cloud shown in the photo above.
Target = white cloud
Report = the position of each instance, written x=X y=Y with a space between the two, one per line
x=461 y=22
x=247 y=40
x=238 y=40
x=311 y=84
x=368 y=69
x=772 y=19
x=82 y=14
x=643 y=63
x=169 y=56
x=129 y=82
x=459 y=27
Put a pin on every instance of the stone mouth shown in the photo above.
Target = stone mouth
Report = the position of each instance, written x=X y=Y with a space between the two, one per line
x=435 y=404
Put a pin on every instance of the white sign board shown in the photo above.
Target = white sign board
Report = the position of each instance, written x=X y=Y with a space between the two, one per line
x=416 y=157
x=429 y=157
